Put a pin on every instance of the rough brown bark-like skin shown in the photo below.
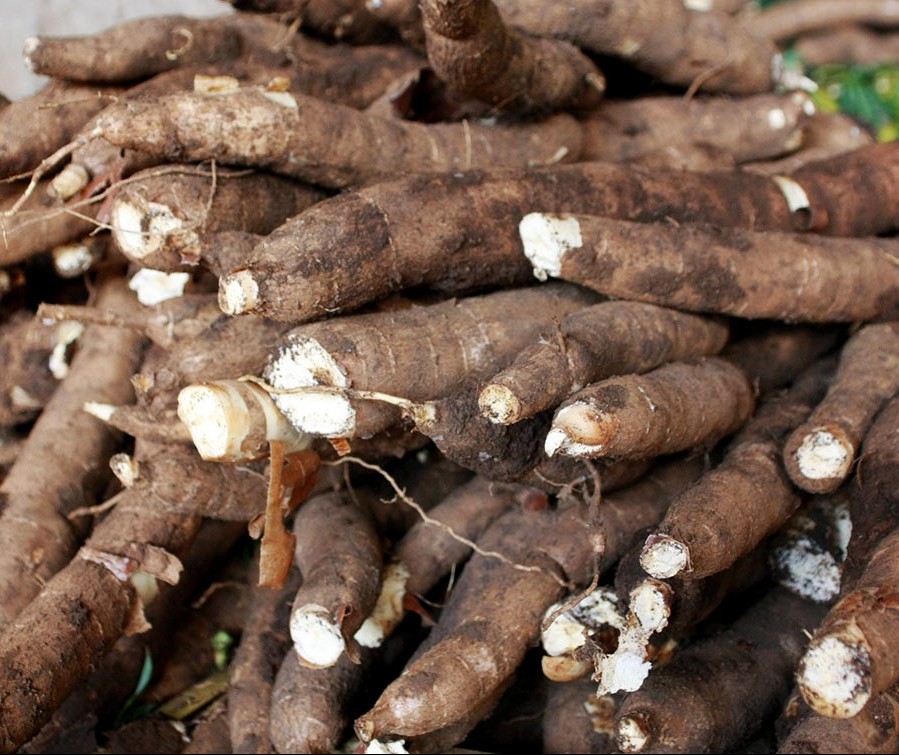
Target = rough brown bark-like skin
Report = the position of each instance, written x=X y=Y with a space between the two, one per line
x=576 y=719
x=339 y=555
x=748 y=496
x=135 y=49
x=719 y=691
x=471 y=49
x=747 y=274
x=64 y=463
x=327 y=144
x=263 y=645
x=309 y=706
x=210 y=732
x=660 y=37
x=25 y=348
x=752 y=128
x=775 y=355
x=867 y=377
x=684 y=404
x=80 y=614
x=41 y=224
x=205 y=204
x=494 y=613
x=33 y=128
x=430 y=552
x=782 y=23
x=343 y=19
x=366 y=244
x=473 y=336
x=855 y=44
x=610 y=338
x=871 y=731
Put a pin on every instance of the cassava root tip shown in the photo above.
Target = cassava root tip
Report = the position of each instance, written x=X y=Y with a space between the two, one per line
x=632 y=733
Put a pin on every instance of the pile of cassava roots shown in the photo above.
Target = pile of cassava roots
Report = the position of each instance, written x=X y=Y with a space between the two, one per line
x=449 y=375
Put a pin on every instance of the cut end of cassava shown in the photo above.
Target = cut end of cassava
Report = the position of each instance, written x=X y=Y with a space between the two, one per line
x=31 y=46
x=304 y=364
x=823 y=455
x=835 y=676
x=805 y=568
x=664 y=557
x=623 y=671
x=71 y=260
x=142 y=230
x=546 y=239
x=632 y=734
x=650 y=604
x=156 y=286
x=564 y=668
x=499 y=405
x=388 y=611
x=578 y=430
x=238 y=293
x=235 y=421
x=394 y=747
x=68 y=182
x=316 y=638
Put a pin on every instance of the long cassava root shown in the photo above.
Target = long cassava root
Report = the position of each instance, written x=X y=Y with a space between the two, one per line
x=301 y=452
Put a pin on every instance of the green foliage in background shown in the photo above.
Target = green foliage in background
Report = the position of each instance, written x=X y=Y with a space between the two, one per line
x=869 y=93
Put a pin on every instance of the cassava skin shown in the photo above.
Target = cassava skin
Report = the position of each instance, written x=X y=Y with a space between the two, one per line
x=680 y=405
x=494 y=613
x=382 y=351
x=757 y=127
x=719 y=691
x=164 y=217
x=742 y=500
x=327 y=144
x=750 y=274
x=802 y=16
x=596 y=342
x=850 y=659
x=26 y=382
x=855 y=44
x=339 y=556
x=872 y=731
x=344 y=19
x=309 y=710
x=134 y=49
x=471 y=49
x=429 y=552
x=33 y=128
x=577 y=719
x=819 y=454
x=661 y=37
x=83 y=610
x=63 y=464
x=363 y=245
x=264 y=643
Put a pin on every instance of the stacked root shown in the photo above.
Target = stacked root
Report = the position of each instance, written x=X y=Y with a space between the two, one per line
x=300 y=450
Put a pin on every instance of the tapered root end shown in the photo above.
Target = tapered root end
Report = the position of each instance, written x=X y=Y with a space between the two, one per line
x=835 y=676
x=664 y=557
x=822 y=460
x=499 y=405
x=316 y=638
x=632 y=734
x=238 y=293
x=546 y=239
